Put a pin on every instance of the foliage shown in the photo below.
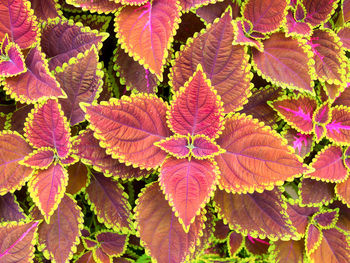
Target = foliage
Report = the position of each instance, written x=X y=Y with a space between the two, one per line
x=183 y=131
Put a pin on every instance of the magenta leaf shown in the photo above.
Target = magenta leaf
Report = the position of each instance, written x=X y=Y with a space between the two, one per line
x=188 y=185
x=36 y=83
x=18 y=21
x=17 y=241
x=47 y=127
x=59 y=238
x=10 y=210
x=39 y=159
x=242 y=38
x=301 y=143
x=297 y=27
x=11 y=59
x=73 y=39
x=87 y=147
x=81 y=80
x=109 y=202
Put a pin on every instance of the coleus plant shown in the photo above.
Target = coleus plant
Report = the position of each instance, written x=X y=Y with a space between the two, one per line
x=226 y=165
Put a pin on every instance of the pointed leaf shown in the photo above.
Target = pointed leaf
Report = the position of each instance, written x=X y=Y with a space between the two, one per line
x=243 y=167
x=235 y=243
x=310 y=197
x=242 y=38
x=265 y=15
x=73 y=39
x=343 y=191
x=17 y=241
x=300 y=216
x=297 y=111
x=163 y=236
x=99 y=6
x=129 y=127
x=109 y=202
x=86 y=258
x=204 y=147
x=176 y=145
x=296 y=27
x=258 y=214
x=221 y=231
x=59 y=239
x=257 y=104
x=81 y=80
x=329 y=56
x=113 y=244
x=322 y=115
x=210 y=12
x=313 y=238
x=338 y=130
x=290 y=60
x=11 y=60
x=344 y=98
x=188 y=185
x=301 y=143
x=17 y=20
x=78 y=178
x=289 y=251
x=89 y=151
x=344 y=36
x=318 y=12
x=13 y=148
x=333 y=248
x=132 y=74
x=326 y=219
x=10 y=209
x=196 y=109
x=47 y=187
x=47 y=127
x=45 y=9
x=36 y=83
x=146 y=32
x=328 y=165
x=39 y=159
x=224 y=64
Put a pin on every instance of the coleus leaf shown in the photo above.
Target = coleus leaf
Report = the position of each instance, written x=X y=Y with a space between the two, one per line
x=13 y=148
x=86 y=258
x=289 y=251
x=73 y=39
x=59 y=238
x=11 y=59
x=98 y=22
x=257 y=104
x=329 y=56
x=196 y=109
x=17 y=241
x=132 y=74
x=264 y=213
x=346 y=10
x=81 y=80
x=47 y=188
x=36 y=83
x=338 y=129
x=78 y=178
x=163 y=236
x=204 y=148
x=39 y=159
x=328 y=165
x=10 y=210
x=297 y=111
x=87 y=147
x=129 y=127
x=46 y=126
x=320 y=118
x=176 y=145
x=342 y=191
x=294 y=27
x=301 y=143
x=99 y=6
x=146 y=32
x=235 y=243
x=131 y=2
x=210 y=12
x=243 y=168
x=326 y=219
x=344 y=36
x=242 y=38
x=188 y=185
x=334 y=247
x=229 y=73
x=318 y=12
x=343 y=98
x=45 y=9
x=112 y=244
x=17 y=20
x=265 y=16
x=313 y=239
x=109 y=202
x=221 y=231
x=310 y=197
x=291 y=60
x=344 y=215
x=256 y=246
